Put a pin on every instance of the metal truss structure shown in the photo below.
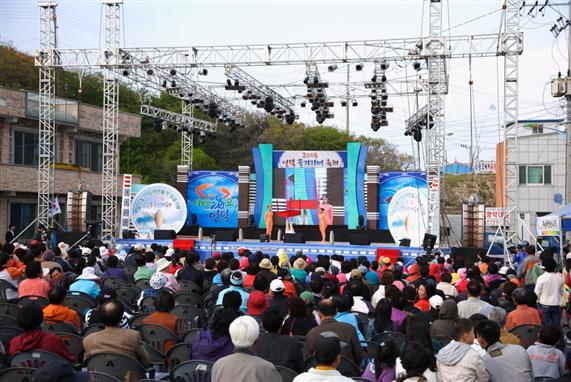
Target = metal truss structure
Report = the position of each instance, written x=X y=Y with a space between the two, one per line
x=47 y=56
x=167 y=69
x=186 y=140
x=183 y=122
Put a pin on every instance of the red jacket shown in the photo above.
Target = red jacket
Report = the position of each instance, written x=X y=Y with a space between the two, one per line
x=38 y=340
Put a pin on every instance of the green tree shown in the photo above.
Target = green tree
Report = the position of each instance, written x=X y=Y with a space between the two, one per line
x=383 y=154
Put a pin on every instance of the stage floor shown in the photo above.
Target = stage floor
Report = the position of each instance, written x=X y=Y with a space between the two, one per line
x=205 y=248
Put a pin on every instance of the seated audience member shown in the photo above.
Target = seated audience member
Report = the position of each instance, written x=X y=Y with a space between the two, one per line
x=546 y=360
x=57 y=312
x=346 y=332
x=161 y=316
x=114 y=339
x=144 y=271
x=279 y=349
x=498 y=315
x=86 y=283
x=381 y=321
x=344 y=302
x=360 y=305
x=423 y=296
x=445 y=285
x=162 y=266
x=278 y=298
x=503 y=362
x=60 y=370
x=236 y=282
x=257 y=303
x=243 y=365
x=567 y=376
x=11 y=270
x=457 y=361
x=34 y=284
x=48 y=261
x=444 y=326
x=523 y=313
x=415 y=359
x=266 y=271
x=418 y=331
x=190 y=272
x=214 y=342
x=382 y=368
x=473 y=304
x=157 y=282
x=300 y=318
x=113 y=271
x=93 y=316
x=327 y=358
x=30 y=319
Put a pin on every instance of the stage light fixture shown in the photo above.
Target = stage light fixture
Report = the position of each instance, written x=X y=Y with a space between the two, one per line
x=158 y=125
x=269 y=104
x=203 y=72
x=290 y=118
x=229 y=82
x=384 y=78
x=125 y=72
x=173 y=84
x=355 y=103
x=359 y=67
x=343 y=103
x=374 y=78
x=332 y=68
x=303 y=104
x=164 y=83
x=416 y=66
x=375 y=127
x=173 y=72
x=384 y=65
x=150 y=72
x=202 y=137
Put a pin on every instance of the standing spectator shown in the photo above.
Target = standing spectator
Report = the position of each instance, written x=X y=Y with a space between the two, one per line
x=445 y=285
x=503 y=362
x=549 y=288
x=546 y=360
x=86 y=283
x=243 y=365
x=327 y=358
x=528 y=269
x=457 y=361
x=113 y=270
x=444 y=326
x=523 y=313
x=57 y=312
x=300 y=318
x=10 y=234
x=382 y=368
x=214 y=342
x=34 y=284
x=279 y=349
x=190 y=272
x=30 y=319
x=473 y=304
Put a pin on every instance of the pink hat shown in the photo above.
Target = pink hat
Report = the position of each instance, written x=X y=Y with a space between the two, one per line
x=244 y=263
x=462 y=273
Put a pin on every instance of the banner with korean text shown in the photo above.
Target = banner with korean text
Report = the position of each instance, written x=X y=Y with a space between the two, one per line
x=212 y=196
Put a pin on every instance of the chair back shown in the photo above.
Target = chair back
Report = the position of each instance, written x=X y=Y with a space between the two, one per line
x=187 y=286
x=7 y=333
x=79 y=303
x=4 y=287
x=190 y=370
x=58 y=326
x=398 y=339
x=137 y=320
x=102 y=377
x=189 y=317
x=362 y=322
x=17 y=374
x=143 y=284
x=179 y=353
x=34 y=358
x=287 y=374
x=116 y=365
x=527 y=334
x=9 y=309
x=93 y=328
x=346 y=367
x=188 y=299
x=130 y=294
x=156 y=336
x=74 y=344
x=41 y=301
x=189 y=335
x=113 y=282
x=8 y=320
x=148 y=304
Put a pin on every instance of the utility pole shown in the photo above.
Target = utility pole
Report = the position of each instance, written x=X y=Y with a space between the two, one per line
x=348 y=95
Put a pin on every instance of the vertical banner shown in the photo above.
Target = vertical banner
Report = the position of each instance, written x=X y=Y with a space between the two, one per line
x=212 y=196
x=403 y=205
x=126 y=201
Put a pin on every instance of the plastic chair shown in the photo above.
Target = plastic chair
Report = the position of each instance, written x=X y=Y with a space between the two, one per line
x=188 y=336
x=287 y=374
x=4 y=287
x=157 y=336
x=102 y=377
x=117 y=365
x=41 y=301
x=74 y=344
x=360 y=379
x=113 y=282
x=187 y=286
x=9 y=309
x=34 y=358
x=179 y=353
x=7 y=333
x=443 y=341
x=371 y=350
x=148 y=304
x=143 y=284
x=58 y=326
x=399 y=339
x=17 y=374
x=137 y=320
x=346 y=367
x=79 y=303
x=129 y=294
x=527 y=334
x=189 y=317
x=8 y=320
x=196 y=368
x=188 y=299
x=93 y=328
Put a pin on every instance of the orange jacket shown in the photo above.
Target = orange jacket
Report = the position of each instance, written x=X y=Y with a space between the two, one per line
x=55 y=313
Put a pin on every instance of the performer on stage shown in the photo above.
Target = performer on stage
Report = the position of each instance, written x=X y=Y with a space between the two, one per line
x=289 y=226
x=322 y=224
x=328 y=208
x=269 y=219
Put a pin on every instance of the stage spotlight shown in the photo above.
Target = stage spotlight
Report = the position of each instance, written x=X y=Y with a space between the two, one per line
x=375 y=127
x=203 y=72
x=374 y=78
x=320 y=119
x=164 y=83
x=125 y=72
x=290 y=118
x=306 y=80
x=173 y=84
x=416 y=66
x=229 y=82
x=315 y=80
x=158 y=125
x=303 y=104
x=343 y=103
x=202 y=137
x=150 y=72
x=173 y=72
x=359 y=67
x=355 y=103
x=332 y=68
x=269 y=104
x=417 y=135
x=384 y=65
x=187 y=101
x=384 y=78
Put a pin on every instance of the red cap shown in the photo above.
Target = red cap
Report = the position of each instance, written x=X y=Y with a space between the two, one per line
x=34 y=243
x=216 y=255
x=257 y=303
x=241 y=251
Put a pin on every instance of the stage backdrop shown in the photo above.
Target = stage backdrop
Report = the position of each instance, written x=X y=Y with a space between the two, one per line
x=311 y=175
x=157 y=206
x=402 y=205
x=213 y=197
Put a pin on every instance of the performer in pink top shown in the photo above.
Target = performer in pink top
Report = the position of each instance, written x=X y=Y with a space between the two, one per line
x=269 y=218
x=328 y=208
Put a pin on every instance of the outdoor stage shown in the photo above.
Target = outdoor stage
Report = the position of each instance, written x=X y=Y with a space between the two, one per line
x=205 y=248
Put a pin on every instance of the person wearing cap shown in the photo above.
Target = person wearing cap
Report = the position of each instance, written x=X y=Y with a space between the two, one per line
x=266 y=270
x=257 y=303
x=190 y=272
x=327 y=358
x=86 y=283
x=157 y=282
x=57 y=312
x=116 y=340
x=34 y=284
x=162 y=266
x=236 y=282
x=356 y=276
x=30 y=318
x=243 y=365
x=93 y=316
x=347 y=334
x=283 y=258
x=48 y=260
x=279 y=349
x=278 y=298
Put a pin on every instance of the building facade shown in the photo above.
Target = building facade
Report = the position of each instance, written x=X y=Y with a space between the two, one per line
x=78 y=155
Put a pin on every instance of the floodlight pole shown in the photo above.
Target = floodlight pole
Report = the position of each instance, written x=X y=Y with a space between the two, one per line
x=110 y=119
x=186 y=140
x=46 y=58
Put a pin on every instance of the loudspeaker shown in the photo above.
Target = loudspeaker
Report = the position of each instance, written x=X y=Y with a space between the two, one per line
x=127 y=234
x=264 y=238
x=164 y=234
x=404 y=243
x=294 y=238
x=251 y=221
x=226 y=235
x=428 y=242
x=359 y=239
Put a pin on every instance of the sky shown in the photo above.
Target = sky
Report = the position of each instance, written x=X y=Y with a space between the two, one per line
x=163 y=23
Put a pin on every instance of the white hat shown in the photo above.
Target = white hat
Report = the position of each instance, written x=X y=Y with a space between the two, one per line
x=158 y=280
x=503 y=270
x=568 y=256
x=103 y=251
x=277 y=285
x=435 y=301
x=162 y=264
x=85 y=251
x=88 y=273
x=169 y=252
x=139 y=247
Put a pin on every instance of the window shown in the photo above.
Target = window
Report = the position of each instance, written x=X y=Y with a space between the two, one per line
x=534 y=174
x=22 y=214
x=537 y=129
x=26 y=148
x=88 y=154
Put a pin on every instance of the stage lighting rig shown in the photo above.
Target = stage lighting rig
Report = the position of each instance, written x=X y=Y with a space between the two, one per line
x=417 y=122
x=260 y=95
x=182 y=122
x=316 y=94
x=379 y=96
